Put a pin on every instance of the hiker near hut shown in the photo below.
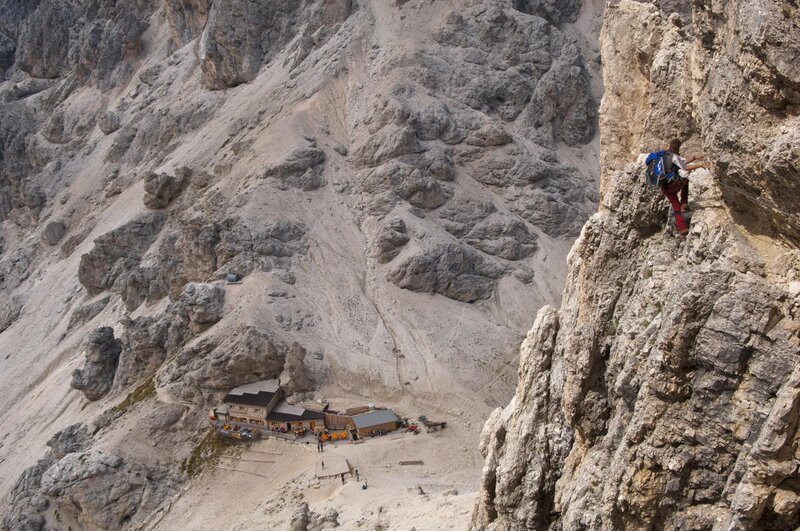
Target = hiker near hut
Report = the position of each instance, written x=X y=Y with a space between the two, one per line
x=670 y=172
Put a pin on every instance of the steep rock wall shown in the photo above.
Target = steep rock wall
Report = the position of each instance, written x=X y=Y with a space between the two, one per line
x=664 y=394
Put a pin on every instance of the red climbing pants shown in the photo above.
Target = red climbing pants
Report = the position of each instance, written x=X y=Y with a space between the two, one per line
x=671 y=192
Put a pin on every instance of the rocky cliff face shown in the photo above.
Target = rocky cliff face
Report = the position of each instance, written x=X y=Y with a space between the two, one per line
x=665 y=392
x=375 y=172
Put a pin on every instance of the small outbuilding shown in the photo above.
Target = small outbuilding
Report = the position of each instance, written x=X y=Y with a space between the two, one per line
x=378 y=420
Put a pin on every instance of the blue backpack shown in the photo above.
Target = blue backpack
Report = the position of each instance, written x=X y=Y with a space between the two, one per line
x=660 y=169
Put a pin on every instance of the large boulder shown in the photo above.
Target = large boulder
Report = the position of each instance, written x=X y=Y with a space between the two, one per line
x=301 y=168
x=74 y=438
x=293 y=379
x=10 y=310
x=102 y=357
x=203 y=304
x=26 y=502
x=108 y=122
x=242 y=355
x=160 y=189
x=87 y=312
x=53 y=232
x=448 y=269
x=390 y=240
x=101 y=489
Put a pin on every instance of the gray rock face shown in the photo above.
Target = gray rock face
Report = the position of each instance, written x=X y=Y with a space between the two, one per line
x=102 y=357
x=108 y=39
x=390 y=241
x=300 y=169
x=160 y=189
x=242 y=35
x=53 y=232
x=221 y=363
x=451 y=270
x=203 y=303
x=98 y=489
x=304 y=519
x=109 y=122
x=87 y=312
x=199 y=248
x=477 y=223
x=505 y=41
x=16 y=267
x=26 y=501
x=148 y=340
x=293 y=378
x=17 y=123
x=405 y=181
x=10 y=310
x=300 y=518
x=117 y=252
x=502 y=236
x=74 y=438
x=186 y=18
x=7 y=49
x=664 y=392
x=652 y=369
x=555 y=11
x=105 y=489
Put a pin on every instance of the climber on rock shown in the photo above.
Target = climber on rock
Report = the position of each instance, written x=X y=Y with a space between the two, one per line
x=672 y=174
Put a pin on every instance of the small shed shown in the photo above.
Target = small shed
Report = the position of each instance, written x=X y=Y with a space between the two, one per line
x=378 y=420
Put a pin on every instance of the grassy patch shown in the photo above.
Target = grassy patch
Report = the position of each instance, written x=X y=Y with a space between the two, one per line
x=206 y=452
x=140 y=394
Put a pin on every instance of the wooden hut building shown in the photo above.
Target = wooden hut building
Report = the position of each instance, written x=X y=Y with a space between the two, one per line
x=372 y=422
x=289 y=418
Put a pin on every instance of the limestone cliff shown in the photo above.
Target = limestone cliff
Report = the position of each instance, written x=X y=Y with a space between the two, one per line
x=665 y=392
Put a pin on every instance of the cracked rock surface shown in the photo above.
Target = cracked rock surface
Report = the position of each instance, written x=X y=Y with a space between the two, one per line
x=663 y=394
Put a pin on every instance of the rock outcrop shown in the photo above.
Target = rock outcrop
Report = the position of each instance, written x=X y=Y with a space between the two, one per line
x=118 y=252
x=391 y=239
x=98 y=43
x=220 y=363
x=203 y=304
x=53 y=232
x=293 y=379
x=102 y=357
x=451 y=270
x=300 y=169
x=160 y=189
x=242 y=35
x=664 y=392
x=99 y=490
